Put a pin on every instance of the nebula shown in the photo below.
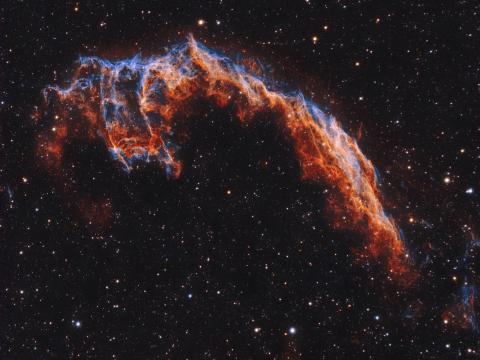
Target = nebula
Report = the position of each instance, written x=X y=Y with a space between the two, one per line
x=464 y=311
x=135 y=105
x=470 y=285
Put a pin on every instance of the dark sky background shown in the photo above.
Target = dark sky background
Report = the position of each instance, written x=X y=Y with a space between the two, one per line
x=234 y=260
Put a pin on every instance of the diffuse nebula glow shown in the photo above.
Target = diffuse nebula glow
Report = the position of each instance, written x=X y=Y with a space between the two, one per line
x=135 y=104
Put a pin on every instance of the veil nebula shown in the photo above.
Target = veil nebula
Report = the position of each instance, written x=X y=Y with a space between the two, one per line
x=135 y=105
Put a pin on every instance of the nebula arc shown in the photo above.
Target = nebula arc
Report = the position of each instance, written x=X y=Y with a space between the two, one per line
x=134 y=106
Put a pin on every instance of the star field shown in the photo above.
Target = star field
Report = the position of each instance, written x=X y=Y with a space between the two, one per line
x=237 y=258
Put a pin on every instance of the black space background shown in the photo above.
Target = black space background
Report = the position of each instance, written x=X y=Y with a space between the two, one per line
x=263 y=256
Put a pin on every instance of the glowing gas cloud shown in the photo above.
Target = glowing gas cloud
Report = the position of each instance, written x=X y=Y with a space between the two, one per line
x=135 y=104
